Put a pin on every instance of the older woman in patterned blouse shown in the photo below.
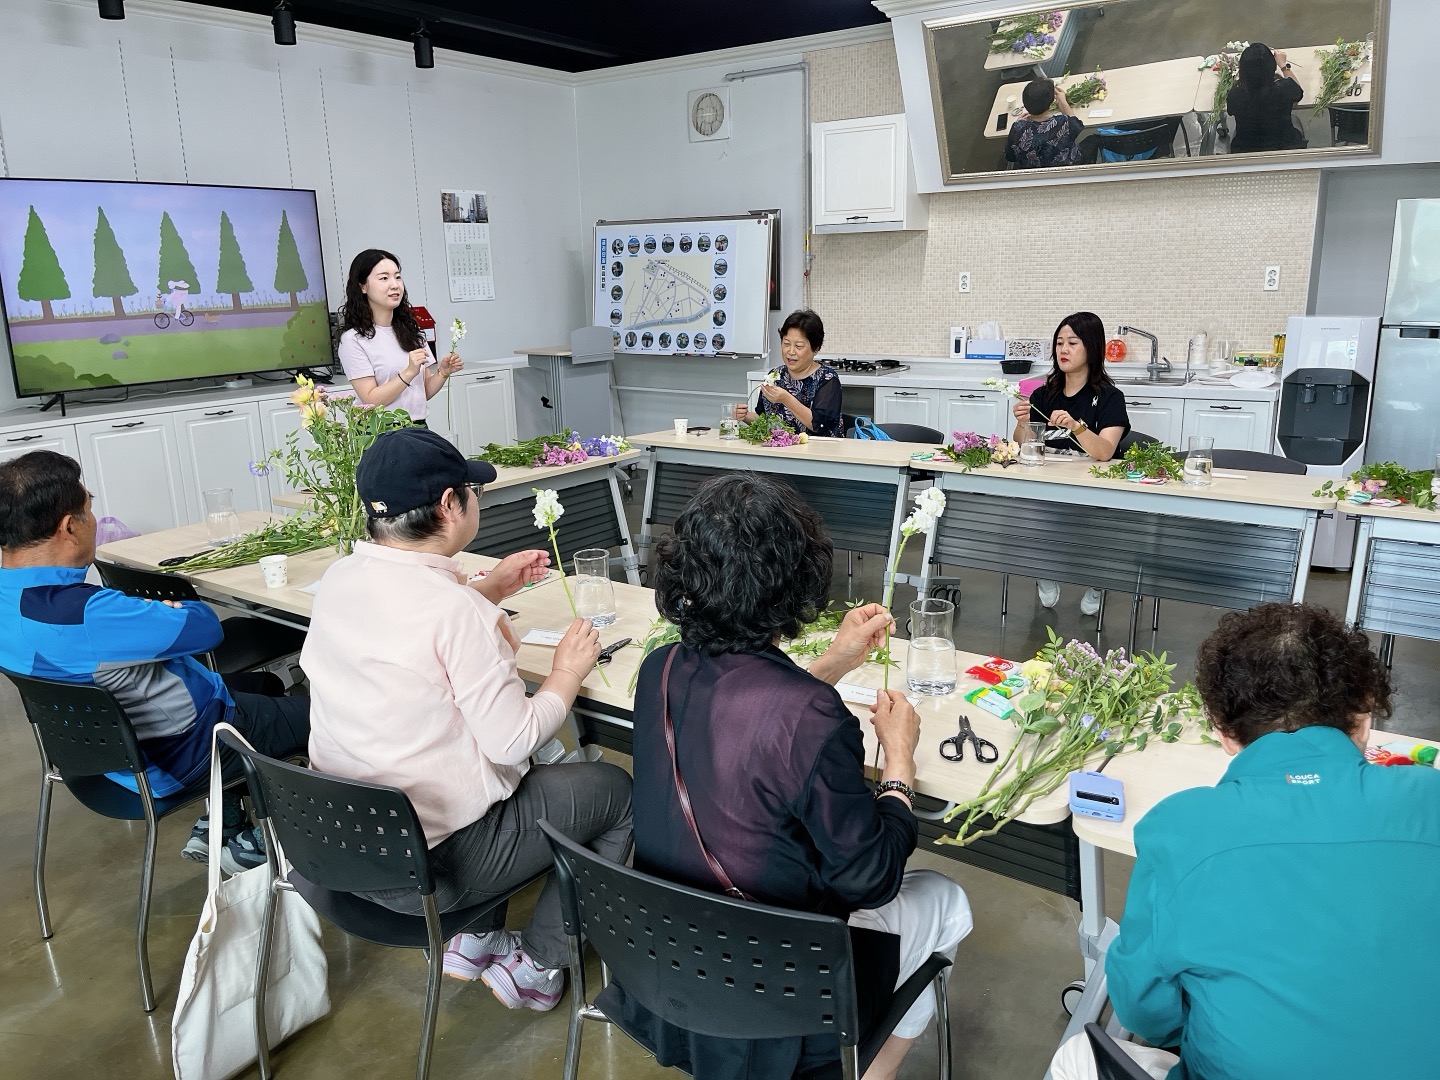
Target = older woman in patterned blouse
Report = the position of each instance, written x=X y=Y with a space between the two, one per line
x=805 y=393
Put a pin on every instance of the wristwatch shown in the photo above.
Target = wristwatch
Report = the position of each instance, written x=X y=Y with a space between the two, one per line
x=895 y=785
x=1080 y=428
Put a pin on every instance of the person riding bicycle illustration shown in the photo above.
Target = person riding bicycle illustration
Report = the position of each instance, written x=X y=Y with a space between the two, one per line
x=179 y=293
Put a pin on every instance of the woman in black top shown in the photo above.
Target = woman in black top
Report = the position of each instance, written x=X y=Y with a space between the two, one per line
x=805 y=393
x=1262 y=103
x=1082 y=407
x=773 y=761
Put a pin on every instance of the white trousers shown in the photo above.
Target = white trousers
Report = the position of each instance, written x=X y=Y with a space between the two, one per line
x=1075 y=1061
x=930 y=914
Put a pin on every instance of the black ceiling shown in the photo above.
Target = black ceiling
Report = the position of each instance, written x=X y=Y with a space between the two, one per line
x=571 y=35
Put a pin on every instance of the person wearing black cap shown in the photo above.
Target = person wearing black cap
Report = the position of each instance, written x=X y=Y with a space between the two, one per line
x=414 y=684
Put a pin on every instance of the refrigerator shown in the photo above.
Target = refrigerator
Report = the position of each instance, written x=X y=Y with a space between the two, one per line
x=1405 y=415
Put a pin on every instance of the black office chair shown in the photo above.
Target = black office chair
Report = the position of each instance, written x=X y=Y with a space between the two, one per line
x=344 y=837
x=913 y=433
x=249 y=642
x=1133 y=438
x=82 y=733
x=1132 y=142
x=1350 y=125
x=721 y=967
x=1112 y=1063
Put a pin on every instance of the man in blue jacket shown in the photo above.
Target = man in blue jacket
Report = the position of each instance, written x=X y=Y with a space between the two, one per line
x=54 y=625
x=1280 y=923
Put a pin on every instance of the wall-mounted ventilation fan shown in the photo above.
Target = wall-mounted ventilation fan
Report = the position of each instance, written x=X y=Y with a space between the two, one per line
x=708 y=113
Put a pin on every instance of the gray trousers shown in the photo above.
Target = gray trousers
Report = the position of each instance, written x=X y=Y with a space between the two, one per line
x=588 y=801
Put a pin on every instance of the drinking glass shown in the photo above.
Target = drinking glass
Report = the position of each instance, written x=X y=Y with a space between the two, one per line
x=930 y=667
x=594 y=595
x=1199 y=460
x=221 y=521
x=1032 y=446
x=729 y=425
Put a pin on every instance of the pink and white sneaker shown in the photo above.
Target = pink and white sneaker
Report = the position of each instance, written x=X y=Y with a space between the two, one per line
x=467 y=955
x=519 y=984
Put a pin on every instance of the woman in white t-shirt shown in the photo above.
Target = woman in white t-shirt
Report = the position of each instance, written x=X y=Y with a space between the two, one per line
x=383 y=349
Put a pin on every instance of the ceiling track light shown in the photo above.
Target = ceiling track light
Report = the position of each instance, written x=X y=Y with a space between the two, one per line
x=112 y=9
x=283 y=19
x=424 y=50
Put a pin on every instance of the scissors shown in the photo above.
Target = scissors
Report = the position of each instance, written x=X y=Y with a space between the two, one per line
x=953 y=748
x=608 y=652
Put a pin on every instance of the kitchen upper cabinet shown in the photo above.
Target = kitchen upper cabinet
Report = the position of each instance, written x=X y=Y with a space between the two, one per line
x=863 y=178
x=217 y=446
x=484 y=408
x=907 y=407
x=1160 y=418
x=1234 y=425
x=60 y=438
x=983 y=412
x=132 y=467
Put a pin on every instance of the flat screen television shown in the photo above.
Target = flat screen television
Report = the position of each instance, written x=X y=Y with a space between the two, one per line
x=112 y=283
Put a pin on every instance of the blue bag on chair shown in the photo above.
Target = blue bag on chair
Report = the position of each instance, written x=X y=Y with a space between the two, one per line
x=865 y=428
x=1111 y=155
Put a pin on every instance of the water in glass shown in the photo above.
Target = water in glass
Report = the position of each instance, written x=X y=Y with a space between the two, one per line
x=1199 y=461
x=729 y=426
x=594 y=594
x=1032 y=446
x=930 y=665
x=222 y=523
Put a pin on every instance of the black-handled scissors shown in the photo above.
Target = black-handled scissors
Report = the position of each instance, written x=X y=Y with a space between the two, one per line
x=953 y=748
x=608 y=652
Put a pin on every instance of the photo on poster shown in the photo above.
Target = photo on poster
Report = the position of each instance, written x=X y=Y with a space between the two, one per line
x=466 y=219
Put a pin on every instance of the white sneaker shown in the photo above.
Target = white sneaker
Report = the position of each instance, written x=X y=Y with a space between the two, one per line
x=1090 y=602
x=468 y=955
x=1049 y=593
x=519 y=984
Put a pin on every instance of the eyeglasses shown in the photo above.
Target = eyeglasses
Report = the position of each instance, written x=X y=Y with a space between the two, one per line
x=475 y=489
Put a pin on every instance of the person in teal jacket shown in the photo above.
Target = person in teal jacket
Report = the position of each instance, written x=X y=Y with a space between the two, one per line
x=1282 y=923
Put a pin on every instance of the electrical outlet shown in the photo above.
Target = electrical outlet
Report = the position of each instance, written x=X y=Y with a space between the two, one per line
x=965 y=280
x=1272 y=279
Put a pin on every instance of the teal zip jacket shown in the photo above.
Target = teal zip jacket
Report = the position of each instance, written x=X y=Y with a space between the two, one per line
x=1284 y=922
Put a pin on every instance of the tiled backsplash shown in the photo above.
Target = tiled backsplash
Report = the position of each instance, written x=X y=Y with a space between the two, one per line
x=1171 y=256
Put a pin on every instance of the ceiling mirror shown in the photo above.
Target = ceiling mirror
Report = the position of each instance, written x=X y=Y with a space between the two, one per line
x=1136 y=84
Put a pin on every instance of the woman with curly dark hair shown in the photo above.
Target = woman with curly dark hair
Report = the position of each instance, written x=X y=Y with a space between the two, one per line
x=772 y=760
x=1259 y=931
x=383 y=350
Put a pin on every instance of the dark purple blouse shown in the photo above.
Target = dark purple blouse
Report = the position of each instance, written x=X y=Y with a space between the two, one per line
x=774 y=763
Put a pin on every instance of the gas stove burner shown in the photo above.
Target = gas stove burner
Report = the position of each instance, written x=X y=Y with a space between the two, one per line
x=868 y=367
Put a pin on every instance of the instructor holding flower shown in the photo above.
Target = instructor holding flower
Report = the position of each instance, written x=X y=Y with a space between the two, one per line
x=802 y=392
x=383 y=349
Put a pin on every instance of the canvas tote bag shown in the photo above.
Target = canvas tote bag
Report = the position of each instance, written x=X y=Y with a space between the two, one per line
x=213 y=1034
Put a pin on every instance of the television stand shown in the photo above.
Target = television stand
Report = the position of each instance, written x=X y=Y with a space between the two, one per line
x=324 y=376
x=57 y=399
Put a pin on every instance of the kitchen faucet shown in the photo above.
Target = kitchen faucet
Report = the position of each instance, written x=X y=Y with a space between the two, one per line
x=1158 y=364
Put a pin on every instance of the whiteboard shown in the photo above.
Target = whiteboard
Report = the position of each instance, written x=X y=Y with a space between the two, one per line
x=690 y=286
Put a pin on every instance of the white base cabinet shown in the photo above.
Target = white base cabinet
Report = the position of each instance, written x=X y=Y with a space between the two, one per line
x=907 y=407
x=484 y=408
x=132 y=467
x=217 y=447
x=981 y=411
x=60 y=439
x=1160 y=418
x=1234 y=425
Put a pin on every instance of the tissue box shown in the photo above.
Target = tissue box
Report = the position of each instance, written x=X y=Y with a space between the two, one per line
x=985 y=349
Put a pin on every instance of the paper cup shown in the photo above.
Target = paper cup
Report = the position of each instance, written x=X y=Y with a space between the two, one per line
x=276 y=570
x=680 y=426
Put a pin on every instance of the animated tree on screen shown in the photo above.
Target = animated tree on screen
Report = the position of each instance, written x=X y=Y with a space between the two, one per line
x=212 y=308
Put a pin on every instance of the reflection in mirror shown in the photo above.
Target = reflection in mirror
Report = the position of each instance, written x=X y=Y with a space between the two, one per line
x=1124 y=82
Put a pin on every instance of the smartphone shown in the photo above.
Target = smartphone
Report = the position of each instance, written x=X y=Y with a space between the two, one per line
x=1002 y=121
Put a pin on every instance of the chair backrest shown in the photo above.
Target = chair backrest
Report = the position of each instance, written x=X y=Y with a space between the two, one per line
x=1112 y=1063
x=342 y=835
x=1255 y=461
x=1133 y=438
x=913 y=433
x=146 y=584
x=707 y=963
x=82 y=729
x=1152 y=140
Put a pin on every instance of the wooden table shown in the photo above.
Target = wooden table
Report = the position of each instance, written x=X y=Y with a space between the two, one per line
x=1306 y=65
x=1143 y=92
x=594 y=513
x=1049 y=63
x=1395 y=586
x=859 y=487
x=1233 y=544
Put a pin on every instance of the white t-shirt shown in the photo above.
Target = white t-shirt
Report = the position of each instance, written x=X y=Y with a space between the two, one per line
x=381 y=358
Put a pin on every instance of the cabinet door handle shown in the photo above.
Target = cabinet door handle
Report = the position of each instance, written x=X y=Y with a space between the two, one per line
x=25 y=438
x=1225 y=408
x=858 y=217
x=1146 y=403
x=486 y=378
x=906 y=393
x=220 y=412
x=133 y=423
x=968 y=397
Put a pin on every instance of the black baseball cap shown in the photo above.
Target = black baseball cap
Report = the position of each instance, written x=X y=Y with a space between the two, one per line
x=411 y=467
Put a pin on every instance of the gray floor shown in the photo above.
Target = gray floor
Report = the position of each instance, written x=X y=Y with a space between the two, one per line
x=70 y=1007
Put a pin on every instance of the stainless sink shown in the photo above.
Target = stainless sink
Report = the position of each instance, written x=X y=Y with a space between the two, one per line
x=1144 y=380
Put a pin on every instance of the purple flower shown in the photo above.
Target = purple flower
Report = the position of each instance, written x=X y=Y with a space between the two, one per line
x=782 y=437
x=967 y=440
x=260 y=468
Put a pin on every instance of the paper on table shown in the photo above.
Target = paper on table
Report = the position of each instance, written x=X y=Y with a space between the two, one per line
x=865 y=695
x=1226 y=474
x=1099 y=113
x=542 y=637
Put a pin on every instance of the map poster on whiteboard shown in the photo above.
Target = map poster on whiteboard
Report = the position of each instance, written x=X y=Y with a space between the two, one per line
x=667 y=289
x=466 y=215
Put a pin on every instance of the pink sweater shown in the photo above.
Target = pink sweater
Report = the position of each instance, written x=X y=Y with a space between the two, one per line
x=413 y=684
